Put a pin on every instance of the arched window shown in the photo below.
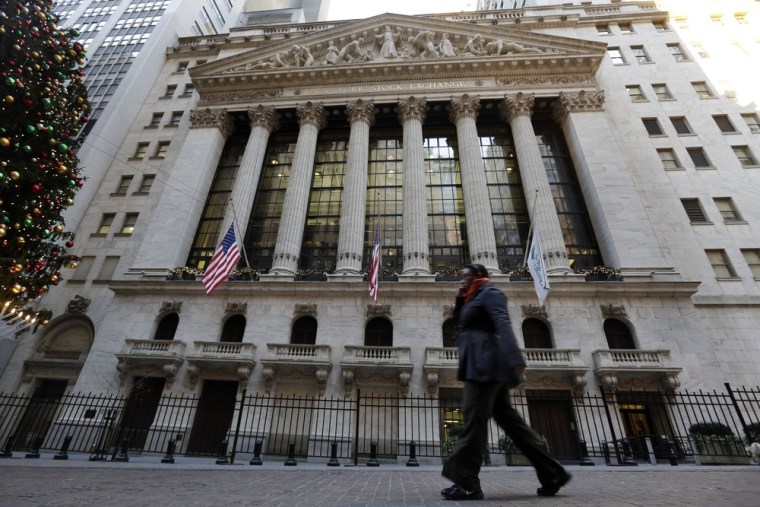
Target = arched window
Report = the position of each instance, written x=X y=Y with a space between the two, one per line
x=449 y=333
x=378 y=333
x=304 y=331
x=233 y=329
x=536 y=334
x=167 y=327
x=618 y=335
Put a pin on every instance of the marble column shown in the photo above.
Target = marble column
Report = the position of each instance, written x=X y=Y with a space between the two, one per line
x=477 y=205
x=411 y=113
x=311 y=118
x=361 y=114
x=587 y=127
x=176 y=216
x=264 y=121
x=517 y=111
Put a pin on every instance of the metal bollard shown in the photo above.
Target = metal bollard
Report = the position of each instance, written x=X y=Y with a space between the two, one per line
x=333 y=455
x=34 y=452
x=7 y=451
x=291 y=461
x=585 y=460
x=64 y=452
x=373 y=455
x=123 y=455
x=627 y=453
x=412 y=461
x=222 y=459
x=170 y=448
x=670 y=450
x=256 y=460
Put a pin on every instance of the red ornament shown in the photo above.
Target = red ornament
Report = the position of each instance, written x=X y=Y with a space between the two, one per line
x=36 y=188
x=69 y=244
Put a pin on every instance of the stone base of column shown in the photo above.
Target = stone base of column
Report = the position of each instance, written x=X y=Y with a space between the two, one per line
x=416 y=277
x=498 y=277
x=277 y=277
x=345 y=277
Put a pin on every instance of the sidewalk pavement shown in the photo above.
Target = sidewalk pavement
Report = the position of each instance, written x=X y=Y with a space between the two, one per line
x=144 y=481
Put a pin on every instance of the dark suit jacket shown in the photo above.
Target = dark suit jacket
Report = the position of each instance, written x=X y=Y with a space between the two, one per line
x=487 y=346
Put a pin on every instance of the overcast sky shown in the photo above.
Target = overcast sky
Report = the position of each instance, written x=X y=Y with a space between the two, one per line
x=355 y=9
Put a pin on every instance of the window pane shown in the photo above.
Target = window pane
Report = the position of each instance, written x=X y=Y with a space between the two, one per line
x=720 y=264
x=652 y=126
x=753 y=261
x=698 y=157
x=681 y=125
x=694 y=210
x=724 y=124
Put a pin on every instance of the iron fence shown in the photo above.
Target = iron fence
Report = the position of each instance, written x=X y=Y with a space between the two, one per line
x=618 y=427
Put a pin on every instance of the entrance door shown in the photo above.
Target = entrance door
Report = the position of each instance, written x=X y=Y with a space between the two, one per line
x=551 y=416
x=40 y=413
x=644 y=418
x=139 y=411
x=213 y=417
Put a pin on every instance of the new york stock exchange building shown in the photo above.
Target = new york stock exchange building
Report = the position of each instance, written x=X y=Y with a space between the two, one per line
x=451 y=136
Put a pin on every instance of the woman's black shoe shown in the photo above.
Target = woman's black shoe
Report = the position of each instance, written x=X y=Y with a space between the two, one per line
x=456 y=492
x=551 y=488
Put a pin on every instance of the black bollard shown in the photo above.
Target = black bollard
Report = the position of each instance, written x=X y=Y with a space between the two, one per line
x=670 y=450
x=64 y=452
x=222 y=459
x=256 y=460
x=585 y=460
x=7 y=451
x=412 y=461
x=34 y=452
x=333 y=455
x=291 y=461
x=627 y=453
x=123 y=456
x=169 y=456
x=373 y=455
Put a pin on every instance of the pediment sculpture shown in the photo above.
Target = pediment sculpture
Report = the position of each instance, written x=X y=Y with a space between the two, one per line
x=392 y=46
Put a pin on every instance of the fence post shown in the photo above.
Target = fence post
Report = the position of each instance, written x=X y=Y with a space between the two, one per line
x=412 y=461
x=373 y=455
x=585 y=460
x=333 y=455
x=123 y=456
x=222 y=459
x=237 y=427
x=169 y=456
x=291 y=461
x=7 y=451
x=34 y=452
x=64 y=452
x=738 y=411
x=356 y=427
x=256 y=460
x=609 y=421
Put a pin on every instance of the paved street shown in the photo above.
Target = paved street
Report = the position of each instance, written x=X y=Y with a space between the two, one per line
x=192 y=482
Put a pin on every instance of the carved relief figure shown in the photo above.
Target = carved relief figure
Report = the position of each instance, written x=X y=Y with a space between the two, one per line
x=445 y=47
x=474 y=46
x=301 y=56
x=331 y=55
x=499 y=47
x=387 y=43
x=423 y=45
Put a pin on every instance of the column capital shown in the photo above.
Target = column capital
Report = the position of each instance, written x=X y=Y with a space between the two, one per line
x=412 y=108
x=520 y=104
x=568 y=103
x=361 y=111
x=209 y=118
x=464 y=106
x=311 y=113
x=264 y=116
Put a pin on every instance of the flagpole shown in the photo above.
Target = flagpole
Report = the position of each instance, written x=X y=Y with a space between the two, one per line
x=530 y=229
x=235 y=221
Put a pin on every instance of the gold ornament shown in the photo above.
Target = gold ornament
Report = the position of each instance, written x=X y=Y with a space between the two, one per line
x=3 y=232
x=9 y=99
x=58 y=58
x=14 y=175
x=17 y=289
x=58 y=229
x=53 y=278
x=5 y=142
x=20 y=240
x=18 y=268
x=69 y=202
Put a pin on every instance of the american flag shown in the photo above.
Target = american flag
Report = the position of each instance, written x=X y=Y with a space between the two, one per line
x=223 y=262
x=374 y=270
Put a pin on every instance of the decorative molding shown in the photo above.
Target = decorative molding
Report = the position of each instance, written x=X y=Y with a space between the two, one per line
x=579 y=383
x=303 y=309
x=582 y=101
x=311 y=113
x=534 y=311
x=464 y=107
x=268 y=375
x=613 y=311
x=361 y=111
x=236 y=307
x=321 y=375
x=78 y=305
x=237 y=96
x=412 y=109
x=403 y=381
x=432 y=383
x=170 y=307
x=378 y=311
x=513 y=106
x=210 y=118
x=547 y=80
x=264 y=116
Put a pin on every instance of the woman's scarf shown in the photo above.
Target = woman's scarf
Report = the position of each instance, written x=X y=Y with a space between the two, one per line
x=474 y=286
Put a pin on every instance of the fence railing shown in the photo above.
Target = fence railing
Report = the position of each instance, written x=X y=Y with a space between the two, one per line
x=615 y=427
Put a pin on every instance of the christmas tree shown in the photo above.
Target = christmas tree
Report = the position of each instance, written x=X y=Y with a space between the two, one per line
x=43 y=106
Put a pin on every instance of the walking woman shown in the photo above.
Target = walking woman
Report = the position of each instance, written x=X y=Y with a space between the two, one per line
x=490 y=363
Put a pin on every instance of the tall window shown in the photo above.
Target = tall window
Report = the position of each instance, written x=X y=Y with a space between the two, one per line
x=155 y=120
x=677 y=51
x=167 y=327
x=445 y=206
x=703 y=91
x=603 y=29
x=668 y=158
x=752 y=257
x=449 y=332
x=681 y=125
x=217 y=202
x=636 y=93
x=170 y=89
x=625 y=28
x=618 y=335
x=694 y=211
x=161 y=149
x=744 y=156
x=378 y=332
x=652 y=126
x=140 y=150
x=720 y=264
x=727 y=210
x=536 y=334
x=698 y=157
x=616 y=56
x=304 y=331
x=130 y=219
x=661 y=91
x=320 y=238
x=640 y=54
x=105 y=223
x=124 y=184
x=752 y=122
x=724 y=123
x=233 y=329
x=146 y=183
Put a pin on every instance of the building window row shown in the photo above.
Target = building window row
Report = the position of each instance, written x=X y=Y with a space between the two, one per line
x=723 y=268
x=627 y=28
x=662 y=92
x=105 y=273
x=174 y=119
x=699 y=157
x=125 y=182
x=162 y=147
x=187 y=91
x=641 y=56
x=725 y=206
x=127 y=224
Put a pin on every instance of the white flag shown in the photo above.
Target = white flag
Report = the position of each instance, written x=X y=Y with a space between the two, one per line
x=537 y=270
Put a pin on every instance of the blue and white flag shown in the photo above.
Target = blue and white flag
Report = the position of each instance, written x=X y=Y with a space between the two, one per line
x=537 y=269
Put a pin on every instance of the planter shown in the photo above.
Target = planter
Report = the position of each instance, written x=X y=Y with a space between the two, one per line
x=718 y=450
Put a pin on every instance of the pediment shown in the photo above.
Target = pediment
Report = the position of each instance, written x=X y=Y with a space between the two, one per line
x=393 y=47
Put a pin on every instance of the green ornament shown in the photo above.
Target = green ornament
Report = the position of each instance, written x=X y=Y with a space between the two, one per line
x=74 y=33
x=26 y=148
x=45 y=233
x=30 y=129
x=72 y=183
x=46 y=102
x=63 y=147
x=9 y=81
x=27 y=223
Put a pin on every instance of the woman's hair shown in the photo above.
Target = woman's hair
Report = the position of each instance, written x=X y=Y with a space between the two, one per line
x=477 y=269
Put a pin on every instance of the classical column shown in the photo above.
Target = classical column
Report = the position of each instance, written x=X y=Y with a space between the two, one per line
x=587 y=127
x=517 y=110
x=264 y=121
x=477 y=205
x=311 y=118
x=176 y=216
x=361 y=114
x=411 y=113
